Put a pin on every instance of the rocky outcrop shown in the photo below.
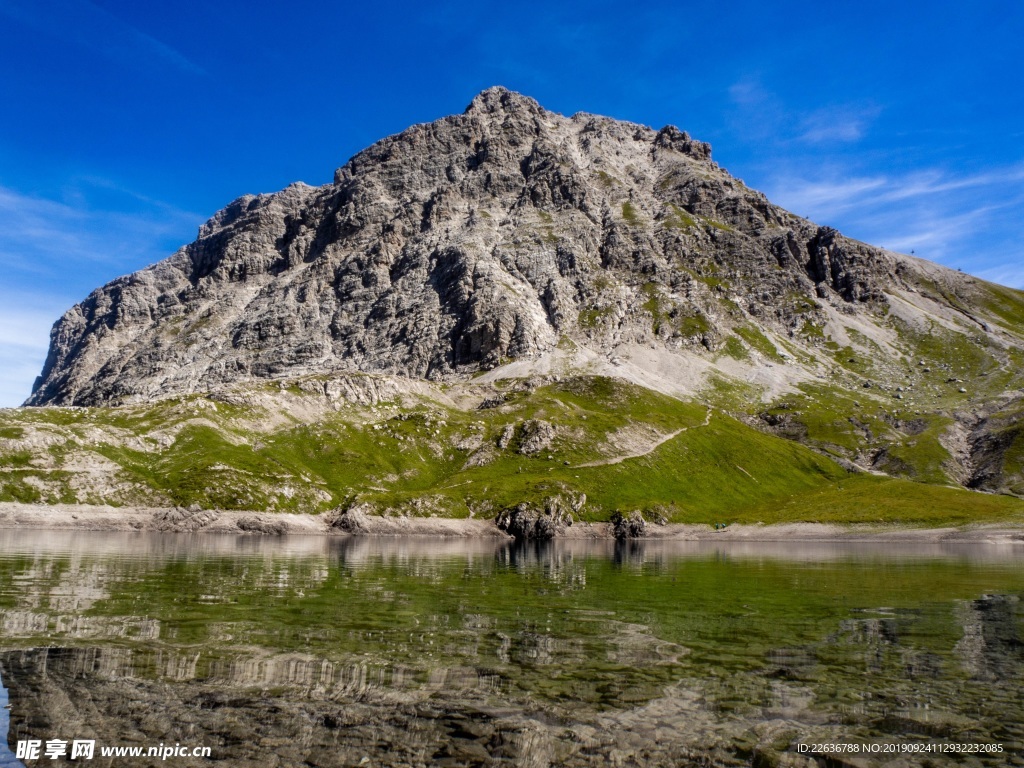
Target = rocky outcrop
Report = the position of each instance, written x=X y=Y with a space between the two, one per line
x=179 y=520
x=459 y=245
x=352 y=519
x=528 y=522
x=537 y=436
x=262 y=525
x=850 y=269
x=629 y=525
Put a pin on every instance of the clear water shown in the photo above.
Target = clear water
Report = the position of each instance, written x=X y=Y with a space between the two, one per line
x=315 y=651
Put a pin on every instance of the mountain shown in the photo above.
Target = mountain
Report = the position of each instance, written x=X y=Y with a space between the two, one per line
x=511 y=253
x=475 y=240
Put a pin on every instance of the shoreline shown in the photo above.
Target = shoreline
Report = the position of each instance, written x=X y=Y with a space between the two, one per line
x=84 y=517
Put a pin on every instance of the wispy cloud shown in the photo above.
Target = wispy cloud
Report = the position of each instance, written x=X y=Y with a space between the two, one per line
x=817 y=197
x=17 y=372
x=936 y=182
x=1006 y=274
x=54 y=251
x=25 y=322
x=843 y=124
x=755 y=113
x=840 y=191
x=22 y=316
x=87 y=25
x=40 y=235
x=961 y=220
x=749 y=92
x=759 y=112
x=928 y=232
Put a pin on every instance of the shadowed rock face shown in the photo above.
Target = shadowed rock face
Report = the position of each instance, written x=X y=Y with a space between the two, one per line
x=457 y=245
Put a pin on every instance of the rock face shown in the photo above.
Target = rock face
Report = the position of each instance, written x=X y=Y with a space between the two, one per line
x=457 y=246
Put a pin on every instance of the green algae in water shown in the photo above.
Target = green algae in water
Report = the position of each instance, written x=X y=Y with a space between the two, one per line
x=473 y=652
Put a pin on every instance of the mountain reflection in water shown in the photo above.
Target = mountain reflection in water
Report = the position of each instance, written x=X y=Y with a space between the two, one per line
x=414 y=651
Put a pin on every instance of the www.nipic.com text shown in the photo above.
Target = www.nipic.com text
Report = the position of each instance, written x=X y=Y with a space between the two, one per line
x=85 y=749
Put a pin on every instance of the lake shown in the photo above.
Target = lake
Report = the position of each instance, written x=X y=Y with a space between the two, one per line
x=400 y=651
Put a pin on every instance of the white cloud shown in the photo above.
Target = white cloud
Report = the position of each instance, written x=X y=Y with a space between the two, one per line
x=930 y=232
x=17 y=368
x=28 y=327
x=934 y=182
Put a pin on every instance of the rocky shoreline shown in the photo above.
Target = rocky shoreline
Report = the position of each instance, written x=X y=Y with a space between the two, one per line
x=83 y=517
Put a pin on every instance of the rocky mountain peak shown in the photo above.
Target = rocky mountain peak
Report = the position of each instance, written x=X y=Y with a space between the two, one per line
x=498 y=99
x=509 y=238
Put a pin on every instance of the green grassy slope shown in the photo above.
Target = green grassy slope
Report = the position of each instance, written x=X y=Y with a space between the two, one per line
x=936 y=399
x=617 y=444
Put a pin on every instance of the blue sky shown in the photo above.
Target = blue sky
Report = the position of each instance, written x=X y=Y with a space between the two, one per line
x=124 y=125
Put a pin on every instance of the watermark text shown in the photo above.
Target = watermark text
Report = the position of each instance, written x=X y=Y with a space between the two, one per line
x=86 y=749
